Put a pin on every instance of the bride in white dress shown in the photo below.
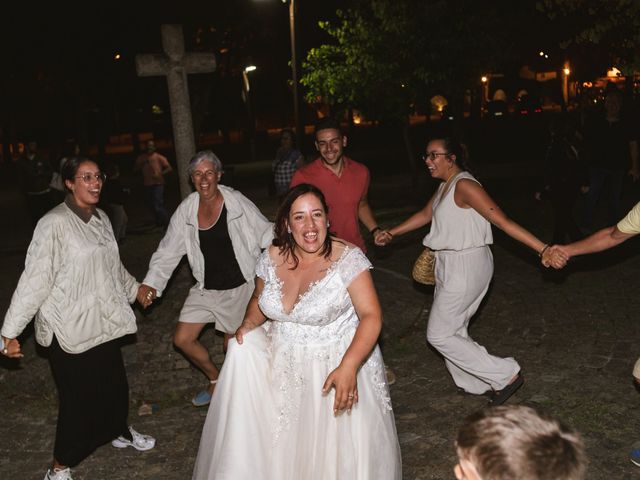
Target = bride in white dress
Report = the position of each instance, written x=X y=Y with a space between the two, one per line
x=303 y=395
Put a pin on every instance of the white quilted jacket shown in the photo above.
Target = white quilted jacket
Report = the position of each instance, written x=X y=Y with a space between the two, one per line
x=74 y=283
x=249 y=231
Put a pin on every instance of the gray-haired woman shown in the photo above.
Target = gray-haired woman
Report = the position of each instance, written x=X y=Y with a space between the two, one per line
x=222 y=233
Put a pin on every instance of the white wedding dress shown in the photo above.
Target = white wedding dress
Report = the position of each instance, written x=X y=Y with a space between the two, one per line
x=268 y=418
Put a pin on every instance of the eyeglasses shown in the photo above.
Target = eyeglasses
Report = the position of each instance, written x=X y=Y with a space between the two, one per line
x=209 y=174
x=89 y=177
x=432 y=156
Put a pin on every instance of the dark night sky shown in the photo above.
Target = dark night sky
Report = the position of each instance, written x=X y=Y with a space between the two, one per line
x=53 y=55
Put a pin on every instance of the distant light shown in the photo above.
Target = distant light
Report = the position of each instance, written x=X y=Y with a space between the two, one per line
x=156 y=110
x=541 y=53
x=250 y=68
x=566 y=71
x=614 y=72
x=587 y=84
x=546 y=56
x=116 y=56
x=224 y=50
x=484 y=79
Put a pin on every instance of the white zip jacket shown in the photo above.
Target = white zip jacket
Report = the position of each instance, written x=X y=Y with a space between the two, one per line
x=249 y=230
x=74 y=283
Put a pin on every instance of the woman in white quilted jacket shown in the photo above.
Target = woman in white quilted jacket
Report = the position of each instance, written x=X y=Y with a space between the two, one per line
x=80 y=293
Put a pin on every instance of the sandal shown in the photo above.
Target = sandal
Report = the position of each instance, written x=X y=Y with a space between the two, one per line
x=501 y=396
x=138 y=441
x=204 y=397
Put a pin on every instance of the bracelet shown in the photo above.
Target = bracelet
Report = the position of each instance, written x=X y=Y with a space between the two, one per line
x=374 y=230
x=544 y=249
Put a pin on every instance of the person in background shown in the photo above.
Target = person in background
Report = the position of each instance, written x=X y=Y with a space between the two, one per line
x=35 y=178
x=79 y=292
x=612 y=148
x=288 y=160
x=154 y=167
x=516 y=442
x=222 y=233
x=566 y=177
x=114 y=196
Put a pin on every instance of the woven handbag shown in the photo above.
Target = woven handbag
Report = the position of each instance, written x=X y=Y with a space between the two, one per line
x=424 y=268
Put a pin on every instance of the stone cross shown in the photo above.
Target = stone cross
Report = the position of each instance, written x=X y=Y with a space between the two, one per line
x=175 y=64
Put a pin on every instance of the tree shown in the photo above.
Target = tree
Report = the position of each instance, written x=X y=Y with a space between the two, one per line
x=612 y=27
x=388 y=56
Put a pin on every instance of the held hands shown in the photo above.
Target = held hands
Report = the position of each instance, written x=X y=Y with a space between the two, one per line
x=146 y=295
x=11 y=348
x=343 y=380
x=382 y=238
x=555 y=256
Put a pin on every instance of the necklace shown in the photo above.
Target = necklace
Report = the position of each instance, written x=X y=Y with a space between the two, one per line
x=446 y=184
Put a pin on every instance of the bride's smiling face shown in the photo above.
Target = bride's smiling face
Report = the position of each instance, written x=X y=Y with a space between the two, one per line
x=308 y=223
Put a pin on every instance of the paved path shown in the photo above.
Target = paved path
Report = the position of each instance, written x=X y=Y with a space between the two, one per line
x=575 y=336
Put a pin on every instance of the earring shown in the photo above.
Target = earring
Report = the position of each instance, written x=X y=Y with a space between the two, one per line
x=328 y=224
x=288 y=229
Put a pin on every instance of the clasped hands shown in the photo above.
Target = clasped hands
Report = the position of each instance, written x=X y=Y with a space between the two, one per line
x=555 y=256
x=146 y=295
x=382 y=238
x=11 y=348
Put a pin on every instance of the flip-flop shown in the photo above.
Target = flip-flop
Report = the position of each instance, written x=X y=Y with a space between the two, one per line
x=503 y=395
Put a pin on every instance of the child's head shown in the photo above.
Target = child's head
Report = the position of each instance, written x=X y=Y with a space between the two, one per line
x=516 y=442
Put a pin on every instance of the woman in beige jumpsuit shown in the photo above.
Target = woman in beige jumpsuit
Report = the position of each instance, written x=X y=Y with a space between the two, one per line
x=461 y=213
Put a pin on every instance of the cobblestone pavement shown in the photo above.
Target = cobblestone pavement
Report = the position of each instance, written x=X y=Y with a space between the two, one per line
x=573 y=334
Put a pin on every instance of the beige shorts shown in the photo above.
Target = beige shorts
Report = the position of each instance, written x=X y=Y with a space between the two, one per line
x=225 y=308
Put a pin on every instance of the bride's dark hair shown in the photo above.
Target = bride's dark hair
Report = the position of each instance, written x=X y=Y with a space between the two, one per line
x=281 y=236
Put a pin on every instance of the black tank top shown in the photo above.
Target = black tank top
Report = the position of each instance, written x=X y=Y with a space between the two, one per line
x=221 y=269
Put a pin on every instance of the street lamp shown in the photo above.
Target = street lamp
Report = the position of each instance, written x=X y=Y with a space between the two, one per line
x=246 y=89
x=485 y=92
x=565 y=85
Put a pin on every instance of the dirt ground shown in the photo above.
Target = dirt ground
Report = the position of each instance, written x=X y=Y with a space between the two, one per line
x=575 y=335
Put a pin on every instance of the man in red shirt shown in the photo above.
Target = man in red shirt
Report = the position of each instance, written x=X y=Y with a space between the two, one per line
x=344 y=182
x=154 y=167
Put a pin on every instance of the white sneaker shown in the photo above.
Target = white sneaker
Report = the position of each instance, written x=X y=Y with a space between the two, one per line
x=57 y=474
x=140 y=442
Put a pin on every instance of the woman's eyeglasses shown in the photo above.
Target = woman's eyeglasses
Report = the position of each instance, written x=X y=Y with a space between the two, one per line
x=432 y=156
x=89 y=177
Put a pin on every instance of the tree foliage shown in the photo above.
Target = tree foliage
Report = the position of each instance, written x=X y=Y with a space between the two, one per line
x=386 y=55
x=612 y=26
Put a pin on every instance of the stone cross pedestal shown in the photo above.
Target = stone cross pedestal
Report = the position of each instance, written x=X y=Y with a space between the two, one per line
x=175 y=64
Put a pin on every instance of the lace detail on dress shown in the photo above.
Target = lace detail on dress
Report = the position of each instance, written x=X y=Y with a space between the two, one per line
x=375 y=368
x=354 y=264
x=290 y=383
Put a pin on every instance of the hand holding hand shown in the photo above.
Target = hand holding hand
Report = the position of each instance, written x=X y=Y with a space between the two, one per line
x=382 y=238
x=343 y=380
x=556 y=257
x=11 y=348
x=146 y=295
